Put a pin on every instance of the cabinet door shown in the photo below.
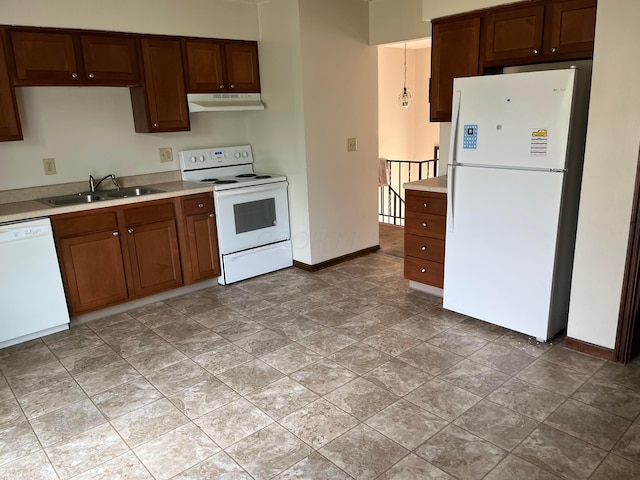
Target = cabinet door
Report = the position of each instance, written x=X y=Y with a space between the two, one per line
x=44 y=58
x=9 y=118
x=203 y=246
x=513 y=35
x=455 y=53
x=570 y=28
x=110 y=60
x=161 y=104
x=242 y=66
x=204 y=66
x=154 y=257
x=93 y=271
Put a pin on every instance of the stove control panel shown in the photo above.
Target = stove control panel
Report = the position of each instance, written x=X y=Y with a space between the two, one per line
x=215 y=157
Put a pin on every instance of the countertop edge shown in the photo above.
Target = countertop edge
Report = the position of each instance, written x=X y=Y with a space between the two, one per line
x=435 y=184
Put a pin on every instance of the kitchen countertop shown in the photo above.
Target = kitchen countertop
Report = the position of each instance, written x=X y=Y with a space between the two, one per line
x=25 y=210
x=435 y=184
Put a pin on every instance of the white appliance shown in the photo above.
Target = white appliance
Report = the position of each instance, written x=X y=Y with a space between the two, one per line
x=252 y=210
x=224 y=102
x=31 y=293
x=517 y=145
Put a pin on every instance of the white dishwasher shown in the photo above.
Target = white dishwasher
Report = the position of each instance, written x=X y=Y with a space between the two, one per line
x=32 y=300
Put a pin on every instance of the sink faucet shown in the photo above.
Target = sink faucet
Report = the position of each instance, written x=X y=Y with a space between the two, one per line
x=93 y=186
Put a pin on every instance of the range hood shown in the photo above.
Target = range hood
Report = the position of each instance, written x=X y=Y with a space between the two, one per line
x=224 y=102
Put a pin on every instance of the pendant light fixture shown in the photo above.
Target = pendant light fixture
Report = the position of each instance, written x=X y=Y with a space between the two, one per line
x=405 y=97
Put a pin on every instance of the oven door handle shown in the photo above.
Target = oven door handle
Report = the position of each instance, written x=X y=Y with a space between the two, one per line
x=254 y=189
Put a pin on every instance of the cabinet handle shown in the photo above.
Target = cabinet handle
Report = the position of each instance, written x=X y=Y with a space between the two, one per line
x=424 y=248
x=424 y=224
x=212 y=215
x=115 y=234
x=91 y=75
x=221 y=86
x=535 y=51
x=74 y=75
x=233 y=86
x=553 y=50
x=424 y=270
x=130 y=230
x=201 y=205
x=155 y=125
x=425 y=205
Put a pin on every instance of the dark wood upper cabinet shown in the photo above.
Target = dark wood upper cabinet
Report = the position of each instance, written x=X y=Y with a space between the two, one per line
x=572 y=28
x=513 y=34
x=455 y=53
x=69 y=58
x=160 y=105
x=9 y=119
x=221 y=66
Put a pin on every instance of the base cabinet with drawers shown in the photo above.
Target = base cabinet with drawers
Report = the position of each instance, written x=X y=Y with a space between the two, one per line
x=424 y=235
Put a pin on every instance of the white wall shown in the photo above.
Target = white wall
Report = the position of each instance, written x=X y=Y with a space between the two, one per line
x=90 y=130
x=395 y=21
x=340 y=91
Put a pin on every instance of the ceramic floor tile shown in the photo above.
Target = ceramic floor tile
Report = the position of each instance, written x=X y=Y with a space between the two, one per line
x=290 y=358
x=268 y=452
x=23 y=358
x=102 y=378
x=177 y=377
x=33 y=466
x=176 y=451
x=360 y=358
x=148 y=422
x=315 y=467
x=326 y=315
x=203 y=397
x=87 y=361
x=37 y=378
x=236 y=329
x=581 y=362
x=616 y=468
x=363 y=453
x=559 y=453
x=250 y=377
x=391 y=342
x=460 y=453
x=629 y=445
x=86 y=451
x=356 y=304
x=361 y=398
x=326 y=341
x=458 y=342
x=524 y=343
x=295 y=327
x=10 y=412
x=126 y=398
x=474 y=377
x=74 y=340
x=553 y=377
x=398 y=377
x=388 y=314
x=360 y=327
x=528 y=399
x=481 y=329
x=263 y=342
x=282 y=397
x=219 y=467
x=512 y=468
x=590 y=424
x=625 y=375
x=318 y=423
x=233 y=422
x=130 y=345
x=502 y=358
x=431 y=359
x=52 y=397
x=419 y=327
x=406 y=423
x=125 y=466
x=16 y=442
x=222 y=358
x=323 y=377
x=496 y=424
x=194 y=346
x=413 y=467
x=217 y=316
x=61 y=424
x=156 y=359
x=610 y=397
x=443 y=399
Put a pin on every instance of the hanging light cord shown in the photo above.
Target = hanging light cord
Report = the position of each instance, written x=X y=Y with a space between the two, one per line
x=405 y=67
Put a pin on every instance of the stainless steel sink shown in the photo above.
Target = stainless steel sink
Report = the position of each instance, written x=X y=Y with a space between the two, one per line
x=88 y=197
x=131 y=192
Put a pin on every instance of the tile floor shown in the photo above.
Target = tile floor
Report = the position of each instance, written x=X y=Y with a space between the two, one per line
x=340 y=374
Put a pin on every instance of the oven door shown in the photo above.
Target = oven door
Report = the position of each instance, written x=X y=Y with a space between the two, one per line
x=248 y=217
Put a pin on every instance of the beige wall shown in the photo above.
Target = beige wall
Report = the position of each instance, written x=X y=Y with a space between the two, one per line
x=90 y=130
x=438 y=8
x=395 y=21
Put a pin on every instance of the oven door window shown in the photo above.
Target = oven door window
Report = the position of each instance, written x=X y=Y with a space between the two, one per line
x=256 y=215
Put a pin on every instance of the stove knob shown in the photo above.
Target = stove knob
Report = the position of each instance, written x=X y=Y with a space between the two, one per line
x=202 y=158
x=193 y=160
x=237 y=154
x=245 y=154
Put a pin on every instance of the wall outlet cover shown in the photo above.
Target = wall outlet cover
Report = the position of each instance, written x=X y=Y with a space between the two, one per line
x=49 y=165
x=166 y=154
x=352 y=144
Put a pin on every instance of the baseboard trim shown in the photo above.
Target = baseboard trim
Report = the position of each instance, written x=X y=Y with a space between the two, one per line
x=589 y=348
x=334 y=261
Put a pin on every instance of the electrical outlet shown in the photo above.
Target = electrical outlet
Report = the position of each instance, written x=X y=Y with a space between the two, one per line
x=352 y=144
x=49 y=166
x=166 y=154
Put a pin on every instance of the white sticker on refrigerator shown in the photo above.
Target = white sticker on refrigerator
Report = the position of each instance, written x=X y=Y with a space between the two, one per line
x=470 y=140
x=539 y=142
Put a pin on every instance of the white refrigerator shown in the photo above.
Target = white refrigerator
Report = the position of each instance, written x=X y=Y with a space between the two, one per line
x=517 y=144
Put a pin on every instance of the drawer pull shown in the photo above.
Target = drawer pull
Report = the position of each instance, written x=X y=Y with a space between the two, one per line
x=130 y=230
x=424 y=270
x=424 y=248
x=201 y=205
x=115 y=234
x=425 y=205
x=424 y=224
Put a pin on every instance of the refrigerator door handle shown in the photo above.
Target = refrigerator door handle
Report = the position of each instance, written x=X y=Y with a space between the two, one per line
x=453 y=150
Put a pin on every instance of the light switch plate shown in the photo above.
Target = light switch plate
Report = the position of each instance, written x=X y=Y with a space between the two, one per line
x=352 y=144
x=49 y=166
x=166 y=154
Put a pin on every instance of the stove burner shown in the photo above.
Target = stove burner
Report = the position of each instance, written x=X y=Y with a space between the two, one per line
x=246 y=175
x=260 y=177
x=224 y=182
x=209 y=180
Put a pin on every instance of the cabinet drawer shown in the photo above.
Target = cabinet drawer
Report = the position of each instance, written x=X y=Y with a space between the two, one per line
x=425 y=224
x=195 y=205
x=427 y=248
x=84 y=222
x=424 y=271
x=434 y=203
x=151 y=212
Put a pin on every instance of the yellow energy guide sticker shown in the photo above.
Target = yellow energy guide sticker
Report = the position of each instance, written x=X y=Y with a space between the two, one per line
x=539 y=142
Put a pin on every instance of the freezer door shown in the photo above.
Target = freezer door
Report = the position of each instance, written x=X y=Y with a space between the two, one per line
x=500 y=246
x=516 y=120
